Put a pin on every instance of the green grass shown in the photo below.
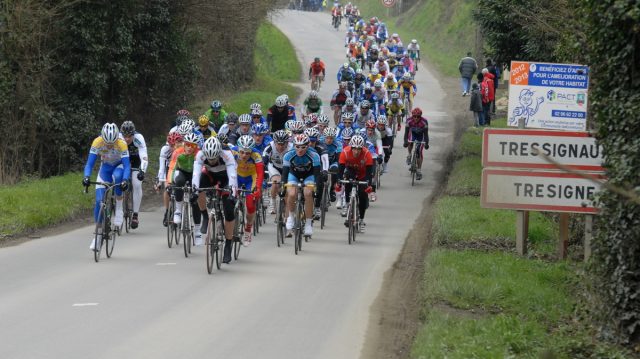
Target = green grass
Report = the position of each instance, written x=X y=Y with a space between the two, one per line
x=498 y=305
x=445 y=30
x=39 y=203
x=63 y=196
x=465 y=177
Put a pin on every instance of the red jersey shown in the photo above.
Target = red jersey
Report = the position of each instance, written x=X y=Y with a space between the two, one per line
x=317 y=68
x=357 y=164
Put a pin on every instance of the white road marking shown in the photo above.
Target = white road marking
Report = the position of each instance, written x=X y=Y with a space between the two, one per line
x=166 y=264
x=84 y=304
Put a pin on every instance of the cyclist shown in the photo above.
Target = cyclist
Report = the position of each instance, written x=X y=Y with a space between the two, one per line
x=301 y=165
x=382 y=34
x=261 y=136
x=174 y=140
x=381 y=97
x=313 y=103
x=372 y=55
x=310 y=120
x=373 y=76
x=390 y=84
x=347 y=122
x=386 y=135
x=408 y=87
x=364 y=114
x=395 y=108
x=230 y=126
x=315 y=144
x=115 y=167
x=205 y=127
x=346 y=74
x=323 y=122
x=179 y=175
x=358 y=83
x=414 y=52
x=317 y=72
x=250 y=176
x=369 y=97
x=272 y=158
x=349 y=106
x=338 y=100
x=256 y=117
x=216 y=114
x=417 y=130
x=334 y=147
x=356 y=163
x=374 y=140
x=382 y=66
x=216 y=165
x=336 y=14
x=139 y=160
x=244 y=128
x=279 y=113
x=407 y=64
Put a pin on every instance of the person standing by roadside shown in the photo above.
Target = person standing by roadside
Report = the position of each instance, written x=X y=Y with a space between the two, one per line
x=493 y=70
x=485 y=88
x=490 y=78
x=467 y=68
x=476 y=105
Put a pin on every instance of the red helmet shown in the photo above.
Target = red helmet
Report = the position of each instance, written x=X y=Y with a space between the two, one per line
x=370 y=124
x=183 y=112
x=416 y=111
x=174 y=137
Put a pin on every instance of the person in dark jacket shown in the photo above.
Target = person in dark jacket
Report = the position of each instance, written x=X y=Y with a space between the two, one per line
x=476 y=105
x=467 y=68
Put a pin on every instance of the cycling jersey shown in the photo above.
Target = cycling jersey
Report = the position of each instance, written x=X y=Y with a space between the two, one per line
x=339 y=98
x=276 y=118
x=317 y=68
x=418 y=129
x=407 y=85
x=251 y=171
x=356 y=165
x=305 y=167
x=333 y=151
x=361 y=119
x=313 y=105
x=216 y=119
x=260 y=147
x=137 y=152
x=165 y=157
x=395 y=107
x=180 y=161
x=207 y=132
x=223 y=165
x=274 y=159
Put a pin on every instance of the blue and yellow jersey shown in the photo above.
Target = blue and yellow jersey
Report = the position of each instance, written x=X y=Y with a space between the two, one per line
x=251 y=171
x=110 y=155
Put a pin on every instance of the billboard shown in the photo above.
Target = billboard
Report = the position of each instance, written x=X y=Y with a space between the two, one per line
x=548 y=96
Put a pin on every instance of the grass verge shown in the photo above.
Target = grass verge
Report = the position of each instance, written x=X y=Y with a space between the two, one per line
x=61 y=198
x=481 y=300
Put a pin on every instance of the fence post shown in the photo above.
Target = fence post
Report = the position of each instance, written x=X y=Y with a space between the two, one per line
x=564 y=235
x=588 y=235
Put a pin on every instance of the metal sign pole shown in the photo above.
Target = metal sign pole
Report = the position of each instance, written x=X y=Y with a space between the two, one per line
x=564 y=235
x=588 y=236
x=522 y=219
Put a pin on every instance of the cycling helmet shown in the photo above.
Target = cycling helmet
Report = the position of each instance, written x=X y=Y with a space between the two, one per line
x=259 y=129
x=358 y=71
x=316 y=59
x=191 y=138
x=216 y=105
x=342 y=85
x=203 y=120
x=311 y=120
x=370 y=124
x=414 y=41
x=395 y=95
x=281 y=101
x=255 y=106
x=256 y=112
x=394 y=35
x=127 y=128
x=246 y=142
x=406 y=76
x=285 y=97
x=183 y=112
x=181 y=119
x=347 y=133
x=416 y=111
x=313 y=94
x=232 y=117
x=382 y=120
x=382 y=24
x=173 y=138
x=365 y=104
x=349 y=102
x=297 y=127
x=375 y=71
x=323 y=120
x=374 y=47
x=280 y=136
x=212 y=148
x=357 y=141
x=352 y=59
x=289 y=124
x=244 y=119
x=185 y=127
x=223 y=137
x=313 y=133
x=300 y=139
x=377 y=83
x=330 y=132
x=109 y=132
x=347 y=116
x=345 y=65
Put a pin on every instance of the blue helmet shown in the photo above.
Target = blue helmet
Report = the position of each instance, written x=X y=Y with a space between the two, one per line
x=259 y=129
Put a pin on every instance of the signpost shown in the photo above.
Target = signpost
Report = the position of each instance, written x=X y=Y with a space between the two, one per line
x=549 y=96
x=513 y=148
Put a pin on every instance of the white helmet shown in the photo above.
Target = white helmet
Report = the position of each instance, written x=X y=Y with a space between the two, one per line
x=377 y=83
x=109 y=132
x=359 y=71
x=191 y=138
x=356 y=142
x=406 y=76
x=323 y=119
x=312 y=132
x=382 y=120
x=330 y=132
x=414 y=41
x=281 y=101
x=313 y=94
x=300 y=139
x=374 y=71
x=349 y=102
x=185 y=127
x=255 y=106
x=212 y=148
x=244 y=119
x=246 y=142
x=345 y=65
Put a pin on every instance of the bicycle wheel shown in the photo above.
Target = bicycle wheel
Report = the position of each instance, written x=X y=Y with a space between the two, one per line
x=220 y=244
x=211 y=243
x=100 y=228
x=351 y=234
x=185 y=229
x=110 y=239
x=237 y=243
x=280 y=225
x=128 y=210
x=298 y=229
x=170 y=224
x=324 y=204
x=414 y=165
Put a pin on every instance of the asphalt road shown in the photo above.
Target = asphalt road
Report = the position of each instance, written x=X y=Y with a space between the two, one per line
x=149 y=301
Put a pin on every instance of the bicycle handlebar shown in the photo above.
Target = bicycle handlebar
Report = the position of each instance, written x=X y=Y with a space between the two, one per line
x=354 y=181
x=106 y=184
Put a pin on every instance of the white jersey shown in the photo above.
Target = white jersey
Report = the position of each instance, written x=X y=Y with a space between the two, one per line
x=225 y=163
x=165 y=156
x=137 y=151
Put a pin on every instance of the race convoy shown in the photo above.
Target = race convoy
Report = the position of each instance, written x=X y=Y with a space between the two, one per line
x=224 y=176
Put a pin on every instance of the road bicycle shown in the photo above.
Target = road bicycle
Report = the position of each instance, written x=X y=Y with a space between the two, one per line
x=215 y=238
x=353 y=209
x=316 y=82
x=172 y=228
x=413 y=163
x=186 y=224
x=377 y=176
x=300 y=217
x=325 y=198
x=105 y=231
x=406 y=99
x=336 y=22
x=240 y=211
x=127 y=203
x=280 y=218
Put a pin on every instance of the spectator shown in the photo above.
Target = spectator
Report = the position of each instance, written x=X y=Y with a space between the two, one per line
x=493 y=70
x=476 y=105
x=467 y=68
x=490 y=78
x=485 y=88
